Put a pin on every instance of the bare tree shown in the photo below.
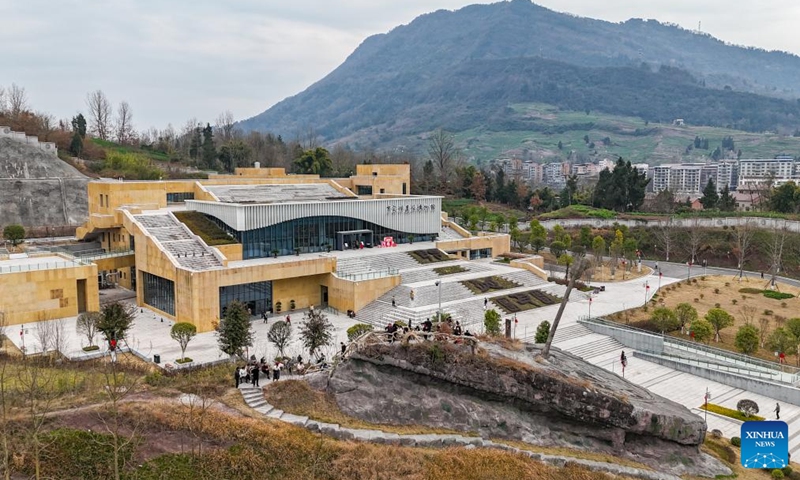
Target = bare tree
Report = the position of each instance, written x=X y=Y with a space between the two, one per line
x=774 y=250
x=99 y=113
x=87 y=323
x=124 y=125
x=744 y=237
x=224 y=125
x=118 y=385
x=697 y=235
x=34 y=384
x=59 y=335
x=763 y=324
x=2 y=100
x=665 y=234
x=581 y=264
x=748 y=313
x=443 y=153
x=45 y=334
x=5 y=434
x=17 y=100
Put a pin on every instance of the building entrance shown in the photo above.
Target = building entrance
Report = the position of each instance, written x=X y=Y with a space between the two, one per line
x=352 y=239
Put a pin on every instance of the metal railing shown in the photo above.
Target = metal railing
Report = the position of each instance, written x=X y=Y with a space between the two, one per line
x=109 y=254
x=371 y=275
x=773 y=376
x=49 y=265
x=735 y=360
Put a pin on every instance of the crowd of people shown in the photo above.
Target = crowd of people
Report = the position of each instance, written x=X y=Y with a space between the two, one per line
x=394 y=330
x=251 y=372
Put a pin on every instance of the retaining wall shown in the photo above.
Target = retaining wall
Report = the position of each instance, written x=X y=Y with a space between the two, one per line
x=784 y=393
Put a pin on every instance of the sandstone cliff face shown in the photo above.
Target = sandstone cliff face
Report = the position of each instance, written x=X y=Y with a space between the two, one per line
x=500 y=393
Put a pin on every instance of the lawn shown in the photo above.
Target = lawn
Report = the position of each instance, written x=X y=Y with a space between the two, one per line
x=521 y=301
x=705 y=293
x=488 y=284
x=450 y=270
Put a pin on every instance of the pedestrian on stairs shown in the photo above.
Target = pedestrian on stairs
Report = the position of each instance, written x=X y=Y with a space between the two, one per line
x=236 y=376
x=255 y=373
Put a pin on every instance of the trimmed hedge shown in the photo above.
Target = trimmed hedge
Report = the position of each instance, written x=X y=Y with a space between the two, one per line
x=729 y=412
x=453 y=269
x=773 y=294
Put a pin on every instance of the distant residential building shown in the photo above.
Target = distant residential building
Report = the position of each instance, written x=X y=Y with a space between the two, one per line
x=553 y=175
x=754 y=172
x=678 y=178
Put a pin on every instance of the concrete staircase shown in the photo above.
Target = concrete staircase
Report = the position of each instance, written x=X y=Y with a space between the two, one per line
x=595 y=348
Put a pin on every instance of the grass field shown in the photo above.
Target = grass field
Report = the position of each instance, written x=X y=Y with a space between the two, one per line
x=703 y=296
x=653 y=143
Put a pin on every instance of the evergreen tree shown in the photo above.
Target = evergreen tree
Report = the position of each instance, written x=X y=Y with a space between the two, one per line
x=542 y=332
x=710 y=197
x=621 y=190
x=316 y=161
x=727 y=202
x=209 y=150
x=560 y=145
x=194 y=144
x=234 y=331
x=316 y=331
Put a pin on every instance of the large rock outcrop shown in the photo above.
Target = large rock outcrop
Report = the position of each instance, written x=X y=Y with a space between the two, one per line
x=38 y=189
x=505 y=393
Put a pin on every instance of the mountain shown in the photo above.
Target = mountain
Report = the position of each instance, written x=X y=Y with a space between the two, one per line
x=466 y=69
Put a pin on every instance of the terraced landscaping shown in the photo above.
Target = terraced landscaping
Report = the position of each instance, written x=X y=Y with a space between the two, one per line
x=432 y=255
x=521 y=301
x=450 y=270
x=489 y=284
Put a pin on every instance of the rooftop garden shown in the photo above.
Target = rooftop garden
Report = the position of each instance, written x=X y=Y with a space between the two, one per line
x=204 y=228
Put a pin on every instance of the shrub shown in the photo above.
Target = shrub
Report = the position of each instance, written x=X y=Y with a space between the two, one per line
x=777 y=295
x=664 y=320
x=747 y=339
x=716 y=290
x=736 y=441
x=777 y=473
x=542 y=332
x=783 y=304
x=204 y=228
x=702 y=295
x=183 y=360
x=729 y=412
x=357 y=330
x=734 y=301
x=750 y=290
x=727 y=284
x=491 y=320
x=748 y=408
x=91 y=348
x=716 y=433
x=696 y=300
x=717 y=305
x=768 y=312
x=787 y=470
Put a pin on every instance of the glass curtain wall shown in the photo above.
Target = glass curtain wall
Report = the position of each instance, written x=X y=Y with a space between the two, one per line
x=159 y=292
x=310 y=234
x=257 y=296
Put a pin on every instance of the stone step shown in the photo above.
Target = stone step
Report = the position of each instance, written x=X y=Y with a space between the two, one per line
x=276 y=413
x=298 y=420
x=264 y=409
x=257 y=403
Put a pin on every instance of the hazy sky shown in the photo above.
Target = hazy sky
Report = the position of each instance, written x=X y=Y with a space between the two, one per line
x=176 y=60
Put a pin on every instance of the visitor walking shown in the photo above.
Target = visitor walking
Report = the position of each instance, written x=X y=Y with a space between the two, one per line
x=777 y=411
x=411 y=294
x=656 y=266
x=236 y=376
x=276 y=371
x=394 y=304
x=623 y=359
x=255 y=373
x=288 y=319
x=485 y=303
x=243 y=375
x=344 y=347
x=264 y=316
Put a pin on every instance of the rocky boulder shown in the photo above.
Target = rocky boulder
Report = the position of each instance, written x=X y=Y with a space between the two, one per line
x=509 y=393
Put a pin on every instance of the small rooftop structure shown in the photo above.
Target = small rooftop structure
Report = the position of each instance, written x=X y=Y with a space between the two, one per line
x=277 y=193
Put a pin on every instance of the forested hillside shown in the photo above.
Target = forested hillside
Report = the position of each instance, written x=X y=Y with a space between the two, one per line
x=460 y=70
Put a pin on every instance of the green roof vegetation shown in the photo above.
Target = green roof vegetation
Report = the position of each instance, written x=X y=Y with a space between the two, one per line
x=204 y=228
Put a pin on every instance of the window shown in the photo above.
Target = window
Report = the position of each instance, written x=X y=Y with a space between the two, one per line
x=383 y=190
x=107 y=201
x=364 y=189
x=257 y=296
x=159 y=293
x=101 y=199
x=179 y=197
x=404 y=188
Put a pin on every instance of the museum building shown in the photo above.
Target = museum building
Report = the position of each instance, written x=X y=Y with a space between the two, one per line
x=269 y=239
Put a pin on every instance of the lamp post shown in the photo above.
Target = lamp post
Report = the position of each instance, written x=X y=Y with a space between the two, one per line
x=439 y=284
x=689 y=270
x=659 y=280
x=590 y=305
